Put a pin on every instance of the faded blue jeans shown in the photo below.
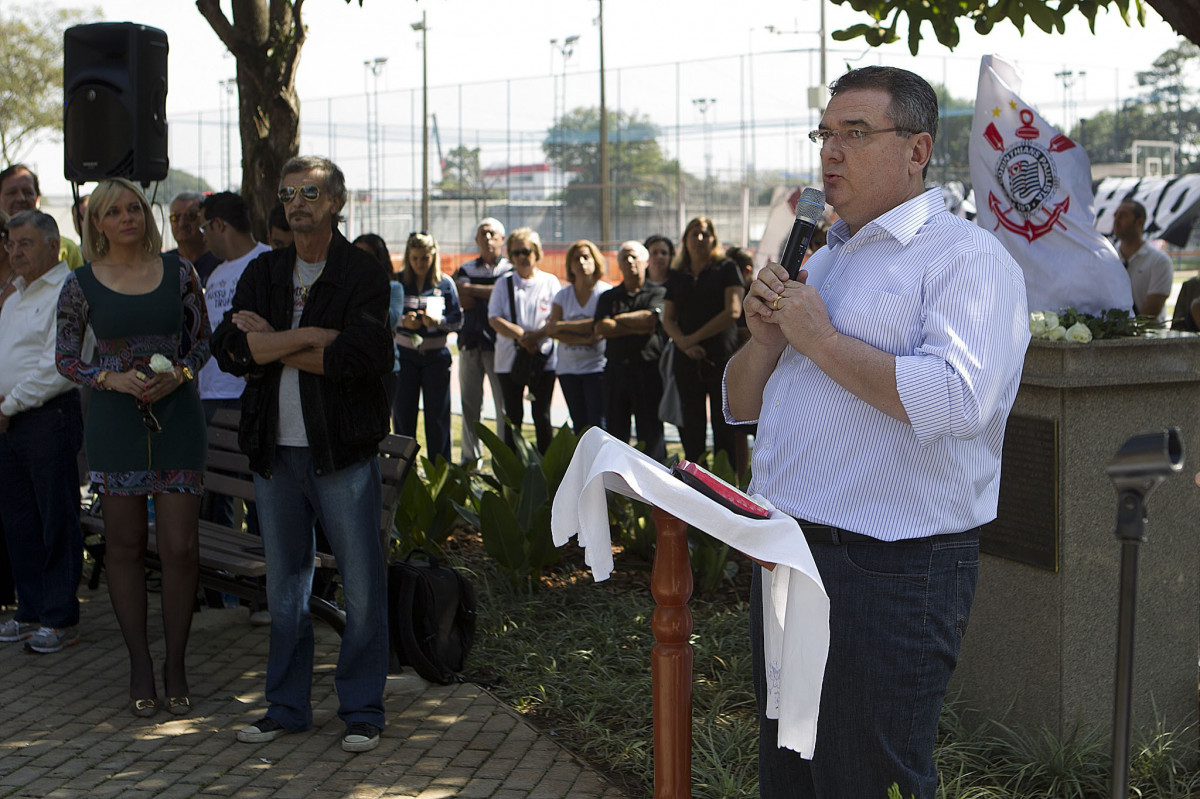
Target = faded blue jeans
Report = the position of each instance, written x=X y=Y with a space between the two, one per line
x=897 y=615
x=347 y=503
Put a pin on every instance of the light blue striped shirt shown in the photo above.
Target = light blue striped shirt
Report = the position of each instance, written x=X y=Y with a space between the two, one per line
x=943 y=296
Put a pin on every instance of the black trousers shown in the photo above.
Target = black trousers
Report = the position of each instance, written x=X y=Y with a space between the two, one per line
x=635 y=388
x=541 y=389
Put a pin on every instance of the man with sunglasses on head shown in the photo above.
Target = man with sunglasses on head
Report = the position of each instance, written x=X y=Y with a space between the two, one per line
x=189 y=238
x=881 y=379
x=308 y=331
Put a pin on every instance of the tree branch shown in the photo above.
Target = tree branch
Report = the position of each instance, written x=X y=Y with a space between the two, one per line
x=226 y=32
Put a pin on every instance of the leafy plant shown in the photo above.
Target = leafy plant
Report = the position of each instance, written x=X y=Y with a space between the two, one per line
x=428 y=513
x=1113 y=323
x=512 y=513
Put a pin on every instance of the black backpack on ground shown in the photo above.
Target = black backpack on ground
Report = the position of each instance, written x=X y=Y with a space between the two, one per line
x=431 y=617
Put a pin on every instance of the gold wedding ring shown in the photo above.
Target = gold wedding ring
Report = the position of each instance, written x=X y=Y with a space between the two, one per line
x=775 y=305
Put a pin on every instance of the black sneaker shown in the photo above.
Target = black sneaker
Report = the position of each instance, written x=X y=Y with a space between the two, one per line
x=360 y=737
x=261 y=731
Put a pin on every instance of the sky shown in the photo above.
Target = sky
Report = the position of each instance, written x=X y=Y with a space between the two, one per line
x=500 y=52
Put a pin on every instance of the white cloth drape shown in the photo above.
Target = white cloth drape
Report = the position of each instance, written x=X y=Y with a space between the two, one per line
x=795 y=605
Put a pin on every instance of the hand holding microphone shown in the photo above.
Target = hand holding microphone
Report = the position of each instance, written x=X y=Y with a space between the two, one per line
x=809 y=210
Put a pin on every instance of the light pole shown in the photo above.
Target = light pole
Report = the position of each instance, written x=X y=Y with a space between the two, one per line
x=227 y=87
x=374 y=187
x=424 y=29
x=1068 y=78
x=567 y=49
x=605 y=221
x=702 y=105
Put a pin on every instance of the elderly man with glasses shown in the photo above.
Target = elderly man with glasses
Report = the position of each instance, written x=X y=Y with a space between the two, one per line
x=308 y=331
x=41 y=431
x=881 y=379
x=190 y=243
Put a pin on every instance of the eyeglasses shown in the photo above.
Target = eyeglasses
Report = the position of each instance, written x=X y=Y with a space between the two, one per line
x=190 y=216
x=851 y=138
x=307 y=191
x=205 y=227
x=521 y=253
x=15 y=245
x=148 y=417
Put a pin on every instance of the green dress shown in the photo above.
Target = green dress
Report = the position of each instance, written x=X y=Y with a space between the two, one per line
x=125 y=457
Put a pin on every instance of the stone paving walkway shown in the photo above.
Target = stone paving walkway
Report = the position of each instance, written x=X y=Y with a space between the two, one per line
x=66 y=730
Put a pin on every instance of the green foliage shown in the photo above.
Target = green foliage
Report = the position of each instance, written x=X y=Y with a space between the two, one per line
x=31 y=73
x=512 y=513
x=576 y=661
x=639 y=172
x=462 y=177
x=428 y=513
x=710 y=556
x=632 y=526
x=944 y=17
x=1166 y=110
x=1113 y=323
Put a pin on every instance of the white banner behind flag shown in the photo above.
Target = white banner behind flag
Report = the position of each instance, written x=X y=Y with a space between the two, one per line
x=1033 y=191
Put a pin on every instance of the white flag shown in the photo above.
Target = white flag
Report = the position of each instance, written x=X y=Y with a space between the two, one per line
x=1033 y=190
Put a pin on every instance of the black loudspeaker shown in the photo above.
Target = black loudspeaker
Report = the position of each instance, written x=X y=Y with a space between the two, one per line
x=115 y=102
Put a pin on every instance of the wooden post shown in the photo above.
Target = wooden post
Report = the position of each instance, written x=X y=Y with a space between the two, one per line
x=671 y=659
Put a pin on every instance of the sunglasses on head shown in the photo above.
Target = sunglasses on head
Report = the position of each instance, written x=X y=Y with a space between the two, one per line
x=307 y=191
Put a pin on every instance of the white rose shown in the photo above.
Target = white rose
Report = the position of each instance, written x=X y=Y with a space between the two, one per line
x=417 y=340
x=1037 y=324
x=1057 y=334
x=1051 y=320
x=161 y=364
x=1079 y=332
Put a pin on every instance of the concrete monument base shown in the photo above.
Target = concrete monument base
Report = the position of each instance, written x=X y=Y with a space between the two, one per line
x=1041 y=645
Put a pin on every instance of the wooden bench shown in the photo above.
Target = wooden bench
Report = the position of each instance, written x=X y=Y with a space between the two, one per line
x=231 y=560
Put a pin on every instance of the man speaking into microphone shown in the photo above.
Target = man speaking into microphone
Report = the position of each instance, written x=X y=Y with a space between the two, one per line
x=881 y=380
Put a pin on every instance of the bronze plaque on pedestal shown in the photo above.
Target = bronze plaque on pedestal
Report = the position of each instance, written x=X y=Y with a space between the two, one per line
x=1026 y=525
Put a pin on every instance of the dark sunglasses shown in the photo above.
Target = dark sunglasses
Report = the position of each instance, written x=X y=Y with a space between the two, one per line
x=520 y=253
x=190 y=216
x=148 y=417
x=307 y=191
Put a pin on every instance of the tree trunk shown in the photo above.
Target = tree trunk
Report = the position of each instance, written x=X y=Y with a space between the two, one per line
x=265 y=40
x=1182 y=15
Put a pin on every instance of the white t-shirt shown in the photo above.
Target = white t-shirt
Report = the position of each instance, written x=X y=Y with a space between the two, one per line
x=292 y=432
x=218 y=296
x=579 y=359
x=1150 y=272
x=534 y=297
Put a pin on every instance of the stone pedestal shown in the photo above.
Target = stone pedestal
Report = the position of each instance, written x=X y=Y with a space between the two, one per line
x=1041 y=646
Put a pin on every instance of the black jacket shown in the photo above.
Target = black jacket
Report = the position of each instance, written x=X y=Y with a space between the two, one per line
x=345 y=410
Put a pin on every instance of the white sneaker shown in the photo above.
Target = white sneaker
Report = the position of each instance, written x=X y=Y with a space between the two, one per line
x=13 y=630
x=48 y=640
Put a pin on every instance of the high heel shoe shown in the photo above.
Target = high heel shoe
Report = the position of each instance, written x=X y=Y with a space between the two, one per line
x=179 y=705
x=144 y=708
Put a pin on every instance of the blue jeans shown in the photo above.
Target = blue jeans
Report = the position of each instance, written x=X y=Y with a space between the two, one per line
x=347 y=502
x=897 y=615
x=585 y=400
x=425 y=373
x=39 y=503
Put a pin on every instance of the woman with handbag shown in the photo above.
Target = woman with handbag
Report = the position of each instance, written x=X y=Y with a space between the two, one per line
x=431 y=311
x=704 y=301
x=525 y=355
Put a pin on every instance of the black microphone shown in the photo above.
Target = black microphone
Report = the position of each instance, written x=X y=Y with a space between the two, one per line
x=809 y=210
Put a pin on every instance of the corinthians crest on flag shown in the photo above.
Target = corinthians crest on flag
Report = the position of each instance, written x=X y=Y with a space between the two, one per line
x=1033 y=190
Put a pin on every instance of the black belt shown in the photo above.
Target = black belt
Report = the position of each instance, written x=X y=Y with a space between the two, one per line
x=824 y=534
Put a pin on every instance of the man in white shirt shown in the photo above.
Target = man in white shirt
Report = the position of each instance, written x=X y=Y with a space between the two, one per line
x=225 y=223
x=1151 y=273
x=41 y=430
x=881 y=379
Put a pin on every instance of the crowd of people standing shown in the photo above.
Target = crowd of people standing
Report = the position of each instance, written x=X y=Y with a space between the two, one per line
x=126 y=351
